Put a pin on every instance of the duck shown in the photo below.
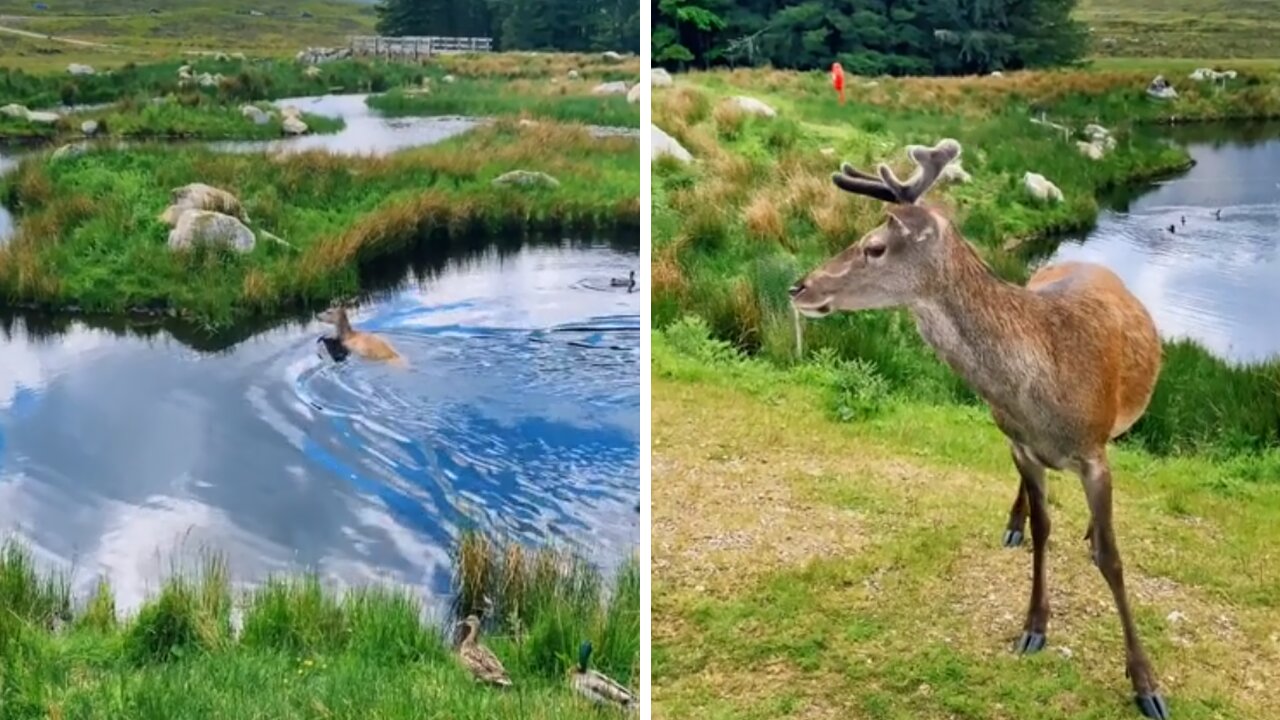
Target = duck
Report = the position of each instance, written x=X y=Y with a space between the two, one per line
x=480 y=660
x=366 y=345
x=628 y=283
x=596 y=687
x=1173 y=229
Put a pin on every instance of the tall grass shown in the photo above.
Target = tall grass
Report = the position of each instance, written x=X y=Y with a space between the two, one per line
x=303 y=650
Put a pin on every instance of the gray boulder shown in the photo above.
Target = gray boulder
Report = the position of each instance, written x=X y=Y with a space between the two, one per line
x=198 y=196
x=14 y=110
x=1039 y=187
x=79 y=69
x=1160 y=89
x=659 y=77
x=89 y=128
x=294 y=126
x=753 y=106
x=526 y=178
x=205 y=227
x=664 y=144
x=256 y=114
x=610 y=88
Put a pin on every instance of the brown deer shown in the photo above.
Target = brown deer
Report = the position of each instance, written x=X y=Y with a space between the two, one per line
x=1066 y=363
x=364 y=344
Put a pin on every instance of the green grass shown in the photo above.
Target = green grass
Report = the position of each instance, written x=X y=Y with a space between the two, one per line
x=865 y=579
x=734 y=231
x=90 y=237
x=498 y=98
x=1184 y=28
x=304 y=651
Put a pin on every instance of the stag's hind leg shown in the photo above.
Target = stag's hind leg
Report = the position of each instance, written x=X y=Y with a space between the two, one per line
x=1013 y=531
x=1096 y=475
x=1033 y=491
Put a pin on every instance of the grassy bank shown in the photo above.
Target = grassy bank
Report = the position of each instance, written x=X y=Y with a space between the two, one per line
x=865 y=579
x=562 y=102
x=757 y=210
x=1183 y=28
x=300 y=650
x=141 y=119
x=89 y=237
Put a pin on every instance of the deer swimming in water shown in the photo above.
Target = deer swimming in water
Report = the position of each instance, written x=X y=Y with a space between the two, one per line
x=1066 y=363
x=365 y=344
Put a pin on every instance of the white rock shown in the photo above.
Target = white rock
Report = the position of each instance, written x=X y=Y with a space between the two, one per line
x=997 y=73
x=47 y=118
x=1092 y=150
x=205 y=227
x=633 y=95
x=753 y=106
x=1065 y=652
x=610 y=88
x=1040 y=187
x=664 y=144
x=573 y=75
x=256 y=114
x=659 y=77
x=1175 y=617
x=78 y=69
x=526 y=178
x=221 y=57
x=611 y=56
x=1096 y=132
x=198 y=196
x=290 y=111
x=89 y=127
x=294 y=126
x=449 y=79
x=312 y=71
x=955 y=173
x=238 y=56
x=184 y=70
x=829 y=152
x=14 y=110
x=207 y=80
x=1160 y=89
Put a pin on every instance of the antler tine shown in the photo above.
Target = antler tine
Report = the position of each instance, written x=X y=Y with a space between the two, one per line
x=930 y=162
x=851 y=179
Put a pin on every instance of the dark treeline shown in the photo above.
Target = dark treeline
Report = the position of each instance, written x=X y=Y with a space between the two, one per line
x=565 y=25
x=868 y=37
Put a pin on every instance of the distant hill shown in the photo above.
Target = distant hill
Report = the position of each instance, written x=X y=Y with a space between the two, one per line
x=1184 y=28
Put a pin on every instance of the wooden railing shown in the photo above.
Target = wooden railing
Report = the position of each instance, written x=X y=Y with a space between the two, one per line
x=417 y=47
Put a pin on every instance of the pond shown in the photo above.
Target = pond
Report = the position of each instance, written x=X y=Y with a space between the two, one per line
x=519 y=412
x=1215 y=277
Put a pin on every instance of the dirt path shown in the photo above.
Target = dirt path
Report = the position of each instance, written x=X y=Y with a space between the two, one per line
x=802 y=569
x=70 y=41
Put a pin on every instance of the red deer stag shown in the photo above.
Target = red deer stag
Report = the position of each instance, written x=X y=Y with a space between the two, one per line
x=1066 y=363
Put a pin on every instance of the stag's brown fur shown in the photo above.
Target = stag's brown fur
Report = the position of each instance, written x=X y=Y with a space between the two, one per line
x=364 y=344
x=1066 y=363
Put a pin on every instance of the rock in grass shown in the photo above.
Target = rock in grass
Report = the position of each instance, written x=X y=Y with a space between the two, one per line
x=312 y=72
x=611 y=56
x=79 y=69
x=610 y=88
x=1040 y=188
x=659 y=77
x=198 y=196
x=573 y=75
x=1092 y=150
x=256 y=114
x=14 y=110
x=294 y=126
x=89 y=128
x=291 y=111
x=1160 y=89
x=69 y=151
x=205 y=227
x=449 y=79
x=526 y=178
x=955 y=173
x=753 y=106
x=633 y=95
x=46 y=118
x=664 y=144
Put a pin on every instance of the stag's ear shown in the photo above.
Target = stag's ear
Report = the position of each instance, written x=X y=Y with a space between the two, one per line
x=864 y=186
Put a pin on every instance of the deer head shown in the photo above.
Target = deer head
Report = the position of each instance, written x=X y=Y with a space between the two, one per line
x=896 y=261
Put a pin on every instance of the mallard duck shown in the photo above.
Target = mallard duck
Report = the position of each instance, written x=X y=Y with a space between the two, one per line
x=480 y=660
x=629 y=282
x=366 y=345
x=595 y=686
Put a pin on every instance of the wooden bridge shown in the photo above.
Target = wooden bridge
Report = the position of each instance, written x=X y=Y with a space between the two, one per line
x=413 y=48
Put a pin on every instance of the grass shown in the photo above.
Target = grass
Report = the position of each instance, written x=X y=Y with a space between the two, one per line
x=1184 y=28
x=301 y=650
x=864 y=577
x=757 y=210
x=89 y=236
x=506 y=98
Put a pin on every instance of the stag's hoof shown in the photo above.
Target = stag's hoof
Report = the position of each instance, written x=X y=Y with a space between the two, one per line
x=1012 y=538
x=1152 y=706
x=1030 y=642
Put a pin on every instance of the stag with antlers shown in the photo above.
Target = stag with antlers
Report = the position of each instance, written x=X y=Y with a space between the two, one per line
x=1066 y=364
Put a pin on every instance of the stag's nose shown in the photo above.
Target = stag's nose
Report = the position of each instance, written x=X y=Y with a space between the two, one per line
x=796 y=289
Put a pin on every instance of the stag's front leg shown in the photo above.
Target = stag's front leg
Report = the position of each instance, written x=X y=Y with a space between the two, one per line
x=1096 y=475
x=1033 y=490
x=1013 y=532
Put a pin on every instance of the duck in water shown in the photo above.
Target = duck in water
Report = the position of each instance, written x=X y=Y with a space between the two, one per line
x=1173 y=229
x=629 y=282
x=366 y=345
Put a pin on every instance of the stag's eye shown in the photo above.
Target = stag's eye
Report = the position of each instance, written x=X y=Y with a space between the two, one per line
x=875 y=251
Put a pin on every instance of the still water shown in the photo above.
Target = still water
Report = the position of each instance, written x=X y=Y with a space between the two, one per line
x=1213 y=279
x=519 y=412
